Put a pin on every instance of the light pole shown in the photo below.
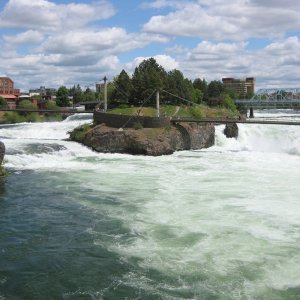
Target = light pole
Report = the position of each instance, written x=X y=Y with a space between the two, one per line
x=105 y=93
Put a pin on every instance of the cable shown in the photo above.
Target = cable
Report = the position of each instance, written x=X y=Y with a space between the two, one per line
x=180 y=97
x=121 y=128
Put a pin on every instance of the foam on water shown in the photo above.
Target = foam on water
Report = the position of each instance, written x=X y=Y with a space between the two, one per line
x=222 y=222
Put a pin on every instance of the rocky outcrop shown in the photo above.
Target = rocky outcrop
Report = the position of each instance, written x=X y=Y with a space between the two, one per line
x=231 y=130
x=2 y=153
x=146 y=141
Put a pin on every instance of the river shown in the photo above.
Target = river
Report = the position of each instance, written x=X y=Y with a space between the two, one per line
x=219 y=223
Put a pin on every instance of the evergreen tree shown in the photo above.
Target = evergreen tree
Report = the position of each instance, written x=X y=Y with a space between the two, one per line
x=148 y=77
x=76 y=93
x=89 y=95
x=215 y=88
x=123 y=88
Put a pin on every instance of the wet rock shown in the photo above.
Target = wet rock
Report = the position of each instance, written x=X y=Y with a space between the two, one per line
x=2 y=152
x=147 y=141
x=231 y=130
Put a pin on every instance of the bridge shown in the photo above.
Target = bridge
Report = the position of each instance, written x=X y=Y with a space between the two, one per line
x=53 y=111
x=232 y=121
x=283 y=98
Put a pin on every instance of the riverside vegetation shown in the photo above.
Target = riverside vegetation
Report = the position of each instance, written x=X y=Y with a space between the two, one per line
x=196 y=98
x=13 y=117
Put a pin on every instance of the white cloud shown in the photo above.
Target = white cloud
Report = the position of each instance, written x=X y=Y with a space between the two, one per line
x=158 y=4
x=167 y=62
x=56 y=43
x=27 y=37
x=46 y=15
x=276 y=64
x=228 y=20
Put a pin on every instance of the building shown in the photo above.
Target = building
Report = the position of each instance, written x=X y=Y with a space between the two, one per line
x=6 y=86
x=46 y=93
x=240 y=86
x=7 y=91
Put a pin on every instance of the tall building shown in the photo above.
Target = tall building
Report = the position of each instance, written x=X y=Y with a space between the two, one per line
x=240 y=86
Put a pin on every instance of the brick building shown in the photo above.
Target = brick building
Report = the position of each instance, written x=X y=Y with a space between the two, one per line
x=6 y=86
x=8 y=92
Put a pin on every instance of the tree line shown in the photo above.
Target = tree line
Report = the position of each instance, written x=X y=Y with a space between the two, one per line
x=148 y=77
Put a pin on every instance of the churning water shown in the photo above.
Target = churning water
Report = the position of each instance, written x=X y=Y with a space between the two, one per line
x=220 y=223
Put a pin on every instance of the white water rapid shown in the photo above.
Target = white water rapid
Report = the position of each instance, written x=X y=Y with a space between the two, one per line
x=218 y=223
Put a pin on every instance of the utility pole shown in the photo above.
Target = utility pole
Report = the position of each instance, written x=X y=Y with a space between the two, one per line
x=157 y=102
x=105 y=93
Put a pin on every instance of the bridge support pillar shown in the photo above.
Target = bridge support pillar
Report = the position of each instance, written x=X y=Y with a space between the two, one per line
x=251 y=114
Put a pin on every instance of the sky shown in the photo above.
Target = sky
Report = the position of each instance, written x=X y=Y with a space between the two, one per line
x=65 y=42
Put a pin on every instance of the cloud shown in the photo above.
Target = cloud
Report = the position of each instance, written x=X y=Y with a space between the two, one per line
x=27 y=37
x=227 y=20
x=46 y=15
x=46 y=43
x=115 y=40
x=275 y=64
x=167 y=62
x=158 y=4
x=62 y=42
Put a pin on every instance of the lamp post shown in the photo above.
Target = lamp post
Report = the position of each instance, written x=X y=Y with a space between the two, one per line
x=105 y=93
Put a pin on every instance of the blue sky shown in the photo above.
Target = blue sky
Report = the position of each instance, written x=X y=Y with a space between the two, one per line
x=65 y=42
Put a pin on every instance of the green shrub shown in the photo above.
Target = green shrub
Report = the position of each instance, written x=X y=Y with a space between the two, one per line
x=3 y=102
x=197 y=113
x=78 y=134
x=13 y=117
x=51 y=105
x=32 y=117
x=229 y=103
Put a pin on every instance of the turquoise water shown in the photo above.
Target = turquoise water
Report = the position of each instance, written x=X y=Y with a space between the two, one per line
x=220 y=223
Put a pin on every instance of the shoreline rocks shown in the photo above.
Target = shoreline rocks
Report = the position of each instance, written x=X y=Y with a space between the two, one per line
x=231 y=130
x=146 y=141
x=2 y=153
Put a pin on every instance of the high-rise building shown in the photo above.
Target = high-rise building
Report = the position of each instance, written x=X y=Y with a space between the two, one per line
x=240 y=86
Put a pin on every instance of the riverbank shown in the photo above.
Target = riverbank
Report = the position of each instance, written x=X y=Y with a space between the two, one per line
x=2 y=153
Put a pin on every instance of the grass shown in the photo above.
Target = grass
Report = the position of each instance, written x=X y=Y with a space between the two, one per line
x=78 y=134
x=196 y=111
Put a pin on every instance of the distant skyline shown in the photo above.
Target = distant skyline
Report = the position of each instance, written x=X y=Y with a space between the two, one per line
x=64 y=42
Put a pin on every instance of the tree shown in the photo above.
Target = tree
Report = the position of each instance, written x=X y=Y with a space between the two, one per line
x=229 y=103
x=51 y=105
x=89 y=95
x=123 y=88
x=3 y=102
x=197 y=96
x=147 y=77
x=215 y=88
x=76 y=93
x=26 y=104
x=62 y=96
x=201 y=85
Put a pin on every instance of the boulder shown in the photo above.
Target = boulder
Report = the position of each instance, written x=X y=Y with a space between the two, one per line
x=147 y=141
x=2 y=152
x=231 y=130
